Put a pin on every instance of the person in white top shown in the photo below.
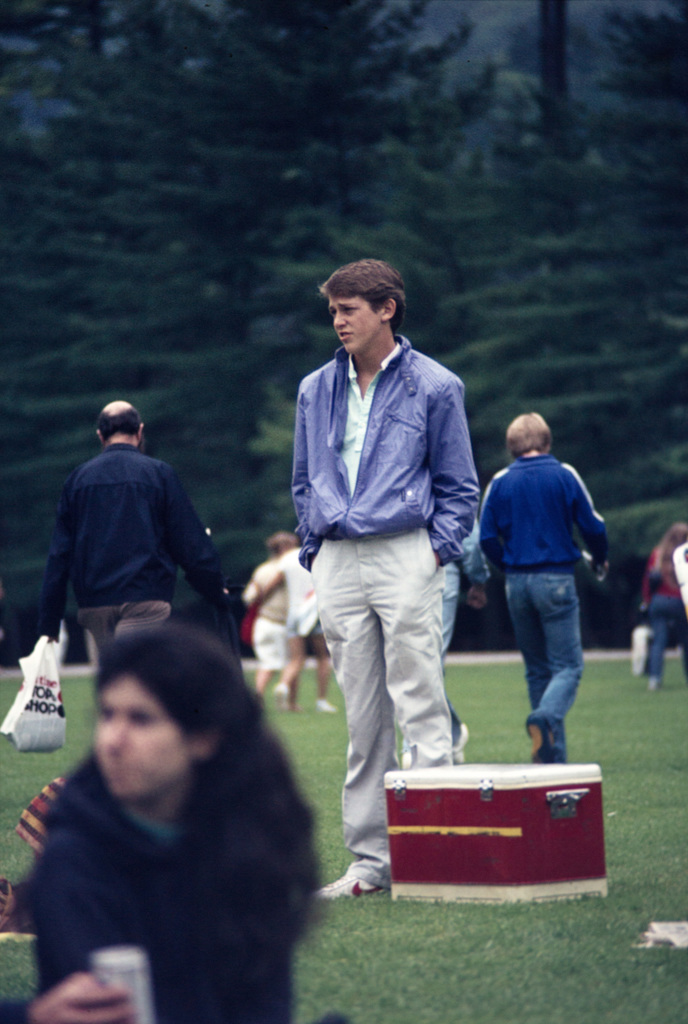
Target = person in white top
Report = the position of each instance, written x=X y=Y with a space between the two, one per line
x=303 y=627
x=269 y=639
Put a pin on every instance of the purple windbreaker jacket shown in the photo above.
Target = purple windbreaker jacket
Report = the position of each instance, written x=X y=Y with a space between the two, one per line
x=416 y=466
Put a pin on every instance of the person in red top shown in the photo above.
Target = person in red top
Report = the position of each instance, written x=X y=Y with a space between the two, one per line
x=662 y=595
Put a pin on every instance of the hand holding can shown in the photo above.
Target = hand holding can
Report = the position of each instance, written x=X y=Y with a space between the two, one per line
x=128 y=967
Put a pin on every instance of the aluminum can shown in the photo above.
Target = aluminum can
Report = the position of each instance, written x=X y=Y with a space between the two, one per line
x=127 y=967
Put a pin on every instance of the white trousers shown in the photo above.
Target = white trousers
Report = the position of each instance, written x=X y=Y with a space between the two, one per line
x=380 y=604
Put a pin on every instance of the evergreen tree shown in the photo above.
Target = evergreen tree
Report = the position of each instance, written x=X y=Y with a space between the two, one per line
x=553 y=63
x=198 y=151
x=647 y=136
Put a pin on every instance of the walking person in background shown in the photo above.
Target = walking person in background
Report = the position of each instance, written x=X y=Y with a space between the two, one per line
x=526 y=530
x=124 y=525
x=183 y=833
x=385 y=491
x=662 y=596
x=473 y=565
x=303 y=628
x=269 y=640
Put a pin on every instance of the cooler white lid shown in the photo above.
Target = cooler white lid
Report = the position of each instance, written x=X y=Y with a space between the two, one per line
x=502 y=776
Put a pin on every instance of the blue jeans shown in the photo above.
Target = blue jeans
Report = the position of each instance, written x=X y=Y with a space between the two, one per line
x=544 y=612
x=666 y=613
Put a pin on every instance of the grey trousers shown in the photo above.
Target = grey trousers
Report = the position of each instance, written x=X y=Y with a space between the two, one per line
x=380 y=606
x=113 y=620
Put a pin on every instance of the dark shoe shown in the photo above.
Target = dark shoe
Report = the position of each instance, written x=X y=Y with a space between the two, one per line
x=543 y=740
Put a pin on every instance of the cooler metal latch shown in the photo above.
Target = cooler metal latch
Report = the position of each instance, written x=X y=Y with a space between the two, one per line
x=399 y=789
x=486 y=789
x=564 y=803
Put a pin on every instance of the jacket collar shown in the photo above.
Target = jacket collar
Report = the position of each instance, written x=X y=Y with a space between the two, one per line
x=395 y=358
x=119 y=446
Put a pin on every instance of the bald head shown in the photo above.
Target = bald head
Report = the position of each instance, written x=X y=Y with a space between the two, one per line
x=117 y=408
x=119 y=423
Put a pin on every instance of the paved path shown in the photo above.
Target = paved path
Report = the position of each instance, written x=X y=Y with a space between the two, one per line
x=454 y=658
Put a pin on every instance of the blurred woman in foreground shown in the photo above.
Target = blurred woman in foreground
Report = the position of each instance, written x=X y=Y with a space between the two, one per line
x=182 y=833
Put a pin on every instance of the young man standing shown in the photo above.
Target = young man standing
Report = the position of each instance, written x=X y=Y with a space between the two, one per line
x=385 y=491
x=526 y=529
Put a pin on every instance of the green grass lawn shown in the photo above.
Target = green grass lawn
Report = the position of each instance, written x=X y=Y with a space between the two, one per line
x=385 y=962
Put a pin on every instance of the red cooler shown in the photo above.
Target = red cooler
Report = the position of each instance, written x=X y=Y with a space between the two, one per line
x=496 y=832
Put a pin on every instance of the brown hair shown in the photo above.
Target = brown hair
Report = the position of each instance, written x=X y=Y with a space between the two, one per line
x=528 y=432
x=372 y=280
x=281 y=541
x=676 y=535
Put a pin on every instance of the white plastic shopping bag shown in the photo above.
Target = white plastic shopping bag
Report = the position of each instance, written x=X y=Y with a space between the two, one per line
x=640 y=647
x=36 y=720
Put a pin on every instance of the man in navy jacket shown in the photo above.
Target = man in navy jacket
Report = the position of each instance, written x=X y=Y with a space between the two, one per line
x=124 y=525
x=526 y=530
x=385 y=491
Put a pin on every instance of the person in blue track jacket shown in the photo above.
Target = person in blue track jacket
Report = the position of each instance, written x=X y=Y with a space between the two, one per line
x=385 y=491
x=526 y=529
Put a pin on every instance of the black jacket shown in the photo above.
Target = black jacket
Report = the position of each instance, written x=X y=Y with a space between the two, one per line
x=13 y=1013
x=124 y=524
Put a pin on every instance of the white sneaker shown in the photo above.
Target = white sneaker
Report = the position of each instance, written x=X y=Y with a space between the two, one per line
x=324 y=705
x=348 y=885
x=281 y=694
x=458 y=756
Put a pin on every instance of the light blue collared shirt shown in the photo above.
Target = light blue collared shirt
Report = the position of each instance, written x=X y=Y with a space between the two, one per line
x=357 y=417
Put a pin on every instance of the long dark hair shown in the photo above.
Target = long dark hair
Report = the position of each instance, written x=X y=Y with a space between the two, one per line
x=250 y=833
